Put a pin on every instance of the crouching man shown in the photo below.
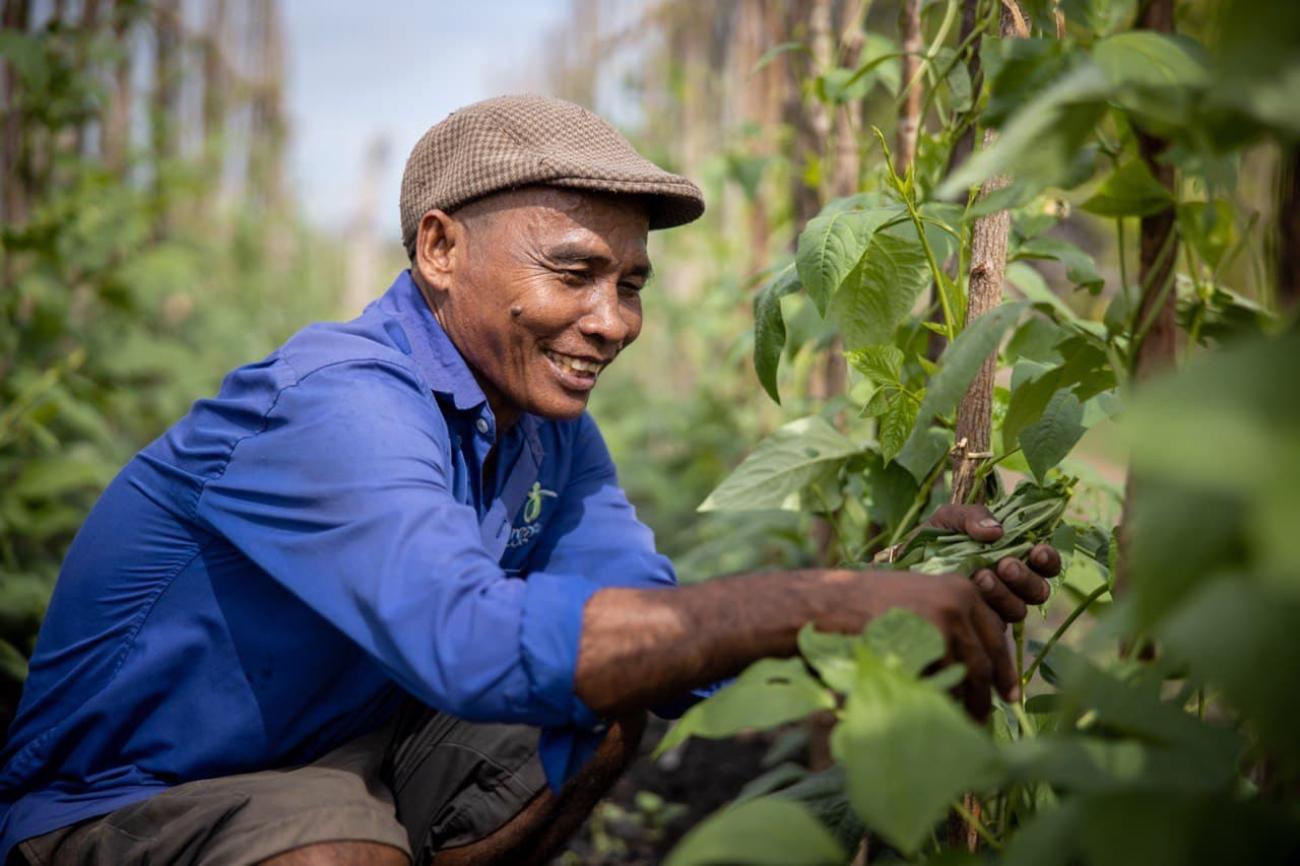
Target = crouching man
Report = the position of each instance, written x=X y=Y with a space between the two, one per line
x=381 y=600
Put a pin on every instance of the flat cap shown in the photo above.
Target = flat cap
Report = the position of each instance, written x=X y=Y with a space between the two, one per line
x=513 y=141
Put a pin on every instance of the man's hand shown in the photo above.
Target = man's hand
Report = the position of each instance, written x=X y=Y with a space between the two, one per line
x=973 y=633
x=1011 y=585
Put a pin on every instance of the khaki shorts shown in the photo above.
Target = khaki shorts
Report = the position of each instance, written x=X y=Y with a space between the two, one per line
x=424 y=782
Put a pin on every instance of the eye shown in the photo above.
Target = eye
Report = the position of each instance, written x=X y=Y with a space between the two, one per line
x=574 y=277
x=633 y=288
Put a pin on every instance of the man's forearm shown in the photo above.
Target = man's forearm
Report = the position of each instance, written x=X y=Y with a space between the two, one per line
x=643 y=646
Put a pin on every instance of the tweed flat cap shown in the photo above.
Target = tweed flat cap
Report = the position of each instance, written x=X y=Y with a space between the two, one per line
x=513 y=141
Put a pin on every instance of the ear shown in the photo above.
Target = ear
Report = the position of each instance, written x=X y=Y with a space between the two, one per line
x=438 y=245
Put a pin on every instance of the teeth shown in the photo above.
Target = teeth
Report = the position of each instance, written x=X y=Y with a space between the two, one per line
x=575 y=364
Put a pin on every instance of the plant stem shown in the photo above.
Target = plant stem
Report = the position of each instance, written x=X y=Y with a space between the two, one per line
x=1060 y=630
x=1018 y=635
x=922 y=496
x=978 y=825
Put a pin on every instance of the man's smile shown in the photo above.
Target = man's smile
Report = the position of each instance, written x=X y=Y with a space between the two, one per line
x=574 y=372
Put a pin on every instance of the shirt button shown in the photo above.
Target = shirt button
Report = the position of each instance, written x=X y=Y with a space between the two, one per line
x=482 y=425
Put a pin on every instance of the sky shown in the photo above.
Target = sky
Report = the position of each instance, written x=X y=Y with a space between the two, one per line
x=387 y=70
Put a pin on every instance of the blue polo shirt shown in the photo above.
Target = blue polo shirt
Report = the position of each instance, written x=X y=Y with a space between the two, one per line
x=273 y=575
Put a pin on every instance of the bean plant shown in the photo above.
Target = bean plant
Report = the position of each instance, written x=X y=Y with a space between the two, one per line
x=1156 y=722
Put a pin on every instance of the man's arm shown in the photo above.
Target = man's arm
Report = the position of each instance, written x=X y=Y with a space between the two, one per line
x=640 y=646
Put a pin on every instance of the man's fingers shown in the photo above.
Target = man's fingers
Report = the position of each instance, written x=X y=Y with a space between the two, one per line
x=1045 y=560
x=998 y=596
x=1023 y=582
x=993 y=633
x=974 y=520
x=970 y=651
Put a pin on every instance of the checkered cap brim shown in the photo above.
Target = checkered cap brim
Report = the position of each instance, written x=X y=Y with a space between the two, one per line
x=514 y=141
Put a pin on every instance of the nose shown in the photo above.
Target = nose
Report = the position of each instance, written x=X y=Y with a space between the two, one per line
x=606 y=319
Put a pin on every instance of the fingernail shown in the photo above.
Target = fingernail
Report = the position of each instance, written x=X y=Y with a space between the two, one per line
x=1041 y=557
x=984 y=581
x=1015 y=694
x=989 y=523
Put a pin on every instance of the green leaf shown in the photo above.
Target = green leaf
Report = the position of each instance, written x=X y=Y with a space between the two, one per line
x=1224 y=632
x=768 y=693
x=1079 y=266
x=908 y=752
x=783 y=464
x=958 y=366
x=1131 y=190
x=896 y=424
x=1032 y=386
x=1209 y=228
x=774 y=52
x=881 y=364
x=904 y=640
x=769 y=326
x=831 y=655
x=881 y=290
x=763 y=832
x=1153 y=60
x=1040 y=140
x=1048 y=440
x=830 y=247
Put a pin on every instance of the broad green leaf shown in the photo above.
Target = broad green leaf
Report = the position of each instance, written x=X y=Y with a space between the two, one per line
x=1048 y=440
x=904 y=640
x=1036 y=340
x=769 y=327
x=1040 y=141
x=896 y=424
x=831 y=655
x=786 y=462
x=1208 y=227
x=881 y=290
x=908 y=752
x=768 y=693
x=830 y=247
x=1225 y=633
x=1019 y=70
x=1221 y=434
x=881 y=364
x=1131 y=190
x=1091 y=764
x=764 y=832
x=958 y=79
x=1079 y=266
x=1149 y=59
x=957 y=368
x=1032 y=386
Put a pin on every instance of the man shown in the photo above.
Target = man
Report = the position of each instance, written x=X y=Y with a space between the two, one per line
x=365 y=603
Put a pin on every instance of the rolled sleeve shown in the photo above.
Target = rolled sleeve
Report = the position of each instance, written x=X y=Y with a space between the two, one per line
x=596 y=533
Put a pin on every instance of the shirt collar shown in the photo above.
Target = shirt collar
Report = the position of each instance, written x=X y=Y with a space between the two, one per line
x=438 y=359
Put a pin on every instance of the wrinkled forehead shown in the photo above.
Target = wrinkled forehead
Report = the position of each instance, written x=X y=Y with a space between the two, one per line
x=543 y=215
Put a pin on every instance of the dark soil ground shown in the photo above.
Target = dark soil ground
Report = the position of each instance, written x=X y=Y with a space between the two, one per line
x=657 y=802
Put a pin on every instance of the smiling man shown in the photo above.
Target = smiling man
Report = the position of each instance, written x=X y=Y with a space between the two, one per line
x=367 y=602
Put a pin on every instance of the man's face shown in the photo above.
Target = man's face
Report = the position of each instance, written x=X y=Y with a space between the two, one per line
x=540 y=291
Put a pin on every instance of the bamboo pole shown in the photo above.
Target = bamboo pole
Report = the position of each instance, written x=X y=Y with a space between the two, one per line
x=988 y=263
x=909 y=116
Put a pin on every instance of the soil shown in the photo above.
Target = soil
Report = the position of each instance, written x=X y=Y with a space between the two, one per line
x=657 y=802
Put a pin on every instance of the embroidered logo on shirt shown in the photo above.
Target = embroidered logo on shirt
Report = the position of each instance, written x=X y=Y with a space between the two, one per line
x=521 y=535
x=533 y=507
